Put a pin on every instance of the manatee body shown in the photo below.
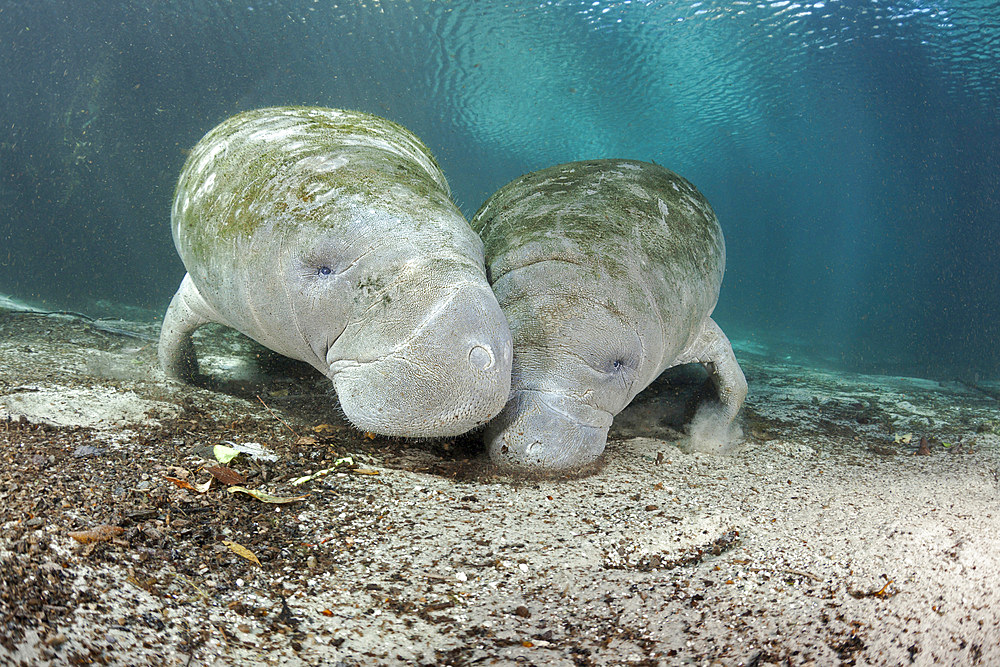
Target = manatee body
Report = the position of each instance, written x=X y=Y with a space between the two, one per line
x=608 y=272
x=330 y=237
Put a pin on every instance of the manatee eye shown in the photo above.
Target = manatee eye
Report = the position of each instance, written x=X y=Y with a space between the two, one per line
x=620 y=366
x=615 y=366
x=324 y=271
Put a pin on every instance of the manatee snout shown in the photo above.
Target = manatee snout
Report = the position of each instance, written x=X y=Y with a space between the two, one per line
x=449 y=376
x=539 y=430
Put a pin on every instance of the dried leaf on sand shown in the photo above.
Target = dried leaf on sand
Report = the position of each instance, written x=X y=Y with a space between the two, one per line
x=99 y=534
x=265 y=497
x=241 y=550
x=226 y=475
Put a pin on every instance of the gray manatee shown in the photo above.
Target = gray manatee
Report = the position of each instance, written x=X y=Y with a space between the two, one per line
x=608 y=272
x=330 y=237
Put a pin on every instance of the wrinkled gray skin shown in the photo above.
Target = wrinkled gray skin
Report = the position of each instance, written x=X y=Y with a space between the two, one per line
x=330 y=237
x=607 y=271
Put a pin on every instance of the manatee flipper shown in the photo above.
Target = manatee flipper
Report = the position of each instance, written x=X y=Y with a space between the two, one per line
x=187 y=312
x=713 y=350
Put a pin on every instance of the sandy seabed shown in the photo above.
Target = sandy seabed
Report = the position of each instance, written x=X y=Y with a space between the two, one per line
x=828 y=535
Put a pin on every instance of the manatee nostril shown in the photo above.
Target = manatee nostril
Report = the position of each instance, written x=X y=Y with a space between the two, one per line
x=481 y=357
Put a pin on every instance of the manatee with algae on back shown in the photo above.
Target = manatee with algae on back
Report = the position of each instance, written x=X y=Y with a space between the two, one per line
x=330 y=236
x=608 y=272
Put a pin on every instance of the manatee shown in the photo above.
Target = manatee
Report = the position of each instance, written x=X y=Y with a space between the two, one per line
x=331 y=237
x=608 y=272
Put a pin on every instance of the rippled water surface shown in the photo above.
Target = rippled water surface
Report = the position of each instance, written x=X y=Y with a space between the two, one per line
x=850 y=148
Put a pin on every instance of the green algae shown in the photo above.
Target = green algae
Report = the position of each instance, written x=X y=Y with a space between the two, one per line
x=602 y=214
x=246 y=174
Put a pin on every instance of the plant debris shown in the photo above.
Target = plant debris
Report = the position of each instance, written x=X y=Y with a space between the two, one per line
x=224 y=454
x=265 y=497
x=226 y=475
x=242 y=551
x=98 y=534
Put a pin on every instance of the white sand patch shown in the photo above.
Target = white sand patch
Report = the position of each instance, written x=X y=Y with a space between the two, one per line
x=95 y=407
x=230 y=367
x=907 y=407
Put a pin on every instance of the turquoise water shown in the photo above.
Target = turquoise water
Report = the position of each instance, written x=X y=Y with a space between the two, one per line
x=851 y=149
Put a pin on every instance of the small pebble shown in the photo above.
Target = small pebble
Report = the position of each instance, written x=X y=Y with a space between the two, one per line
x=86 y=450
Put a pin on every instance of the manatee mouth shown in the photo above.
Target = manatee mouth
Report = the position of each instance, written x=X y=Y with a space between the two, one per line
x=540 y=430
x=395 y=396
x=448 y=376
x=572 y=410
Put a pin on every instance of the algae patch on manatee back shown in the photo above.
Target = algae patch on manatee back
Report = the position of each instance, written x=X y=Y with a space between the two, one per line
x=601 y=214
x=289 y=168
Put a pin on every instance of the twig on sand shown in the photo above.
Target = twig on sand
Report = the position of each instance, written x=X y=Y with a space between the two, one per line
x=277 y=417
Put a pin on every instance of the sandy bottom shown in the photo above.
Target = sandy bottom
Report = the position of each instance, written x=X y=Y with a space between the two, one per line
x=827 y=535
